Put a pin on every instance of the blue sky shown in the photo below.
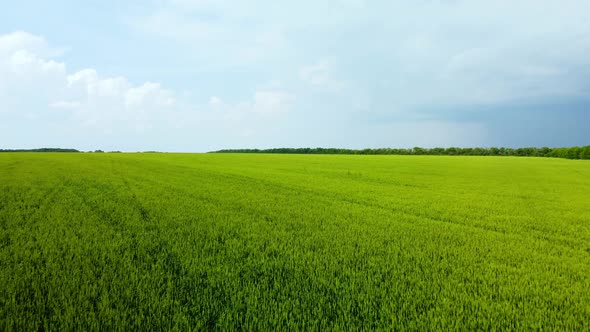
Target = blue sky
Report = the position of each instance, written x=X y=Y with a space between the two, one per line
x=181 y=75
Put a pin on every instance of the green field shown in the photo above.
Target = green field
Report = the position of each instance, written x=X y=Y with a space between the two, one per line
x=293 y=242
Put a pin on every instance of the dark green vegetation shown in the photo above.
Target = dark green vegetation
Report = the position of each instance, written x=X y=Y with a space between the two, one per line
x=293 y=242
x=39 y=150
x=575 y=152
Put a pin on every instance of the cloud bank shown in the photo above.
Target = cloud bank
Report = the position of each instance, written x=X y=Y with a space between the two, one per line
x=203 y=75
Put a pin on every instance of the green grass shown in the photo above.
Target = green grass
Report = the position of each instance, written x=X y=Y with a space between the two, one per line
x=293 y=242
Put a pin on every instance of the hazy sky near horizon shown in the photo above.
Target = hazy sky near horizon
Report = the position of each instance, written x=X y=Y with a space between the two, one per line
x=181 y=75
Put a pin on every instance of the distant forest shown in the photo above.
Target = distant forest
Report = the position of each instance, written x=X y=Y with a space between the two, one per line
x=39 y=150
x=576 y=152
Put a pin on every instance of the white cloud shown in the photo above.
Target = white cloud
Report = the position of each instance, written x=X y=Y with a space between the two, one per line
x=217 y=39
x=28 y=79
x=272 y=101
x=315 y=74
x=216 y=102
x=22 y=62
x=39 y=92
x=66 y=105
x=20 y=40
x=449 y=53
x=148 y=93
x=25 y=66
x=320 y=75
x=84 y=76
x=263 y=102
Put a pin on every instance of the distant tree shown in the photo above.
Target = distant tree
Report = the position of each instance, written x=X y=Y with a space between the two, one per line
x=466 y=151
x=455 y=151
x=543 y=152
x=479 y=152
x=40 y=150
x=418 y=150
x=436 y=151
x=572 y=153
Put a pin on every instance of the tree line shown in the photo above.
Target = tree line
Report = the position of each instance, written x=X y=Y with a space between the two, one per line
x=39 y=150
x=575 y=152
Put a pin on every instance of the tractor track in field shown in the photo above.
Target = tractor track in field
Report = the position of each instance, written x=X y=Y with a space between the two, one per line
x=171 y=180
x=145 y=215
x=328 y=197
x=103 y=214
x=325 y=196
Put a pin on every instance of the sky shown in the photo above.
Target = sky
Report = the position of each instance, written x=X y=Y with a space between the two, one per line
x=195 y=76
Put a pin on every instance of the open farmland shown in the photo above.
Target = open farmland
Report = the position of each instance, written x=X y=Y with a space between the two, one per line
x=277 y=242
